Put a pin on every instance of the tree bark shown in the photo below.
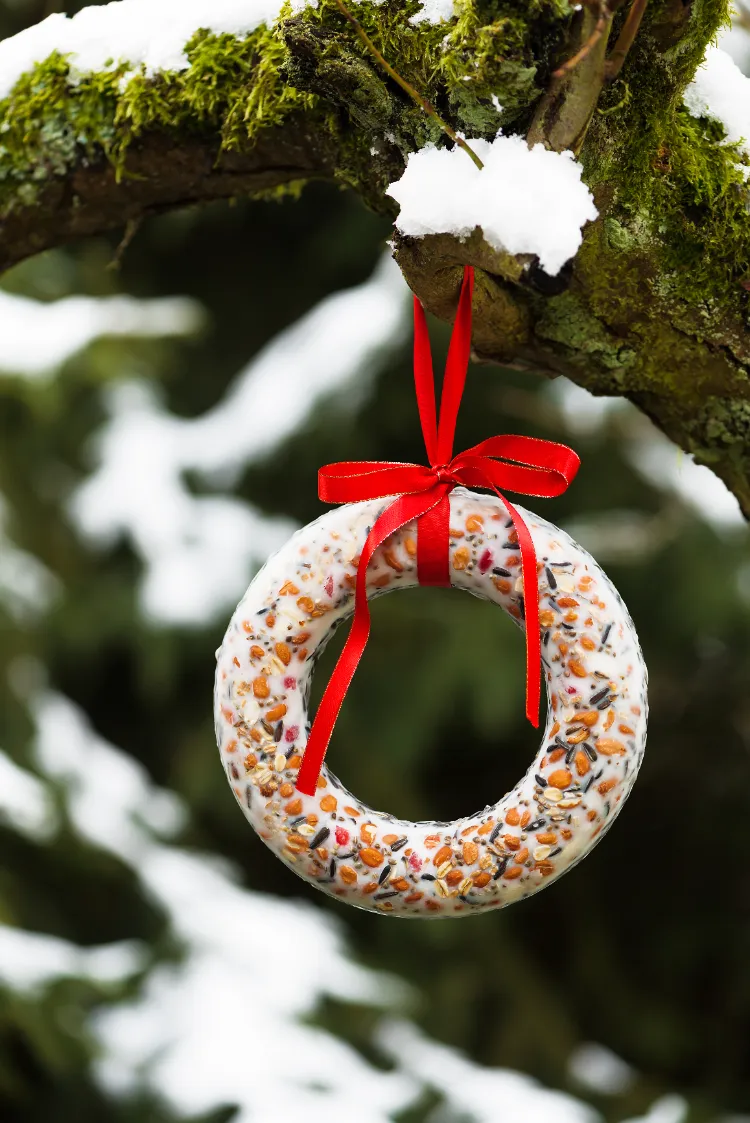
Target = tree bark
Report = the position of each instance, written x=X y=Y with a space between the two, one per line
x=654 y=305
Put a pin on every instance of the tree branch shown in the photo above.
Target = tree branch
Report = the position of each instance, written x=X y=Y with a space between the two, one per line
x=162 y=172
x=652 y=308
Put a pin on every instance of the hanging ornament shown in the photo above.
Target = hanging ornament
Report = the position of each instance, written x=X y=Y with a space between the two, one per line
x=404 y=525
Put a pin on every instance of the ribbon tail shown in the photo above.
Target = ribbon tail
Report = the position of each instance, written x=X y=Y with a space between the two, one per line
x=531 y=614
x=531 y=606
x=403 y=510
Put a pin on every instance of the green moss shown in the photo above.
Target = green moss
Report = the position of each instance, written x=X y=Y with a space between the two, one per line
x=232 y=87
x=672 y=185
x=565 y=320
x=490 y=53
x=44 y=129
x=671 y=188
x=493 y=52
x=726 y=423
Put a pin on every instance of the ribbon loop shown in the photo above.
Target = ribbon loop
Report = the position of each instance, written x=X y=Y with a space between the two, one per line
x=525 y=465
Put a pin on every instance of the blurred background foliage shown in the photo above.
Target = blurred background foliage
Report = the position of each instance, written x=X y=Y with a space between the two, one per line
x=642 y=949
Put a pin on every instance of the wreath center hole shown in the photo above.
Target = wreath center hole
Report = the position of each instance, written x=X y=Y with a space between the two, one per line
x=433 y=726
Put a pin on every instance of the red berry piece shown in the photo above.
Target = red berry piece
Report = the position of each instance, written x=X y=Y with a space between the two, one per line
x=342 y=836
x=485 y=561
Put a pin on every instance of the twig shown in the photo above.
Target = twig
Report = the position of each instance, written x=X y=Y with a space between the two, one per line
x=613 y=65
x=131 y=229
x=605 y=15
x=406 y=86
x=566 y=107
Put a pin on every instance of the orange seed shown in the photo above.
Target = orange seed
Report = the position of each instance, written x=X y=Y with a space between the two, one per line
x=582 y=763
x=461 y=558
x=610 y=747
x=371 y=857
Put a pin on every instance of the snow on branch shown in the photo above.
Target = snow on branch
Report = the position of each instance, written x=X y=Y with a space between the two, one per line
x=721 y=91
x=148 y=34
x=526 y=200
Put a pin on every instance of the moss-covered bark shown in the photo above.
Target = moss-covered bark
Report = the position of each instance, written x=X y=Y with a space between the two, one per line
x=654 y=305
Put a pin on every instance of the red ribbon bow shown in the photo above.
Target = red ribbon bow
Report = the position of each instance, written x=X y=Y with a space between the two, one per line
x=542 y=468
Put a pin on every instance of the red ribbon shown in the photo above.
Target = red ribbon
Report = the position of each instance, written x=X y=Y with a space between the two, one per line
x=522 y=464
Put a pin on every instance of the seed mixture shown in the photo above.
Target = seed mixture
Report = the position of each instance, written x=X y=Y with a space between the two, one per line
x=588 y=761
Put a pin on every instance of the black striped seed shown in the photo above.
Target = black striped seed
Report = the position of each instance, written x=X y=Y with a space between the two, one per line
x=319 y=838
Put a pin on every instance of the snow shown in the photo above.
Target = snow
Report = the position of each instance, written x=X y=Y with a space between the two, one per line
x=36 y=337
x=735 y=40
x=110 y=799
x=720 y=90
x=25 y=803
x=26 y=585
x=147 y=34
x=483 y=1095
x=669 y=468
x=198 y=550
x=29 y=960
x=526 y=200
x=180 y=1033
x=652 y=455
x=668 y=1109
x=600 y=1070
x=434 y=11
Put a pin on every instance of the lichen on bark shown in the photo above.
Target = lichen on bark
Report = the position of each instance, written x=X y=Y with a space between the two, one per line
x=653 y=306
